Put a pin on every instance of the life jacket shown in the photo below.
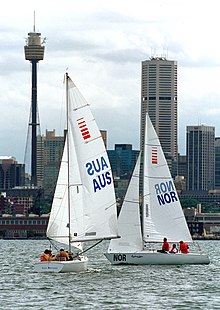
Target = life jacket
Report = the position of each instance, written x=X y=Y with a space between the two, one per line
x=44 y=257
x=166 y=246
x=184 y=248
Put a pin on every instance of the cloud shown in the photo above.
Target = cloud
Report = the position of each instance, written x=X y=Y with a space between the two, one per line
x=102 y=44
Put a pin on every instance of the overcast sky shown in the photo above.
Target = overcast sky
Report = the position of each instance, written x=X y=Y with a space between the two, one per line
x=102 y=43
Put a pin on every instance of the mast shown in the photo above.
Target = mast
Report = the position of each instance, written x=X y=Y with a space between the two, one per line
x=68 y=156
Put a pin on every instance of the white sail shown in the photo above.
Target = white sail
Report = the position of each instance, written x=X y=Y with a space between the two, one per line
x=129 y=219
x=162 y=211
x=57 y=228
x=92 y=203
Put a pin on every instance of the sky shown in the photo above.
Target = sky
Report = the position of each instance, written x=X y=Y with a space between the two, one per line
x=102 y=44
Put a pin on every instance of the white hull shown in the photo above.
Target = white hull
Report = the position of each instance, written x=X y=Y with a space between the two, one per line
x=62 y=266
x=155 y=258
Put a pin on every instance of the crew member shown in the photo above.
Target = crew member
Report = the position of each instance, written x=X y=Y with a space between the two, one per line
x=165 y=246
x=184 y=248
x=174 y=249
x=46 y=256
x=62 y=255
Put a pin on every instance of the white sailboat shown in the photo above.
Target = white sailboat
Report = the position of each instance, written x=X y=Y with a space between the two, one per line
x=161 y=214
x=84 y=205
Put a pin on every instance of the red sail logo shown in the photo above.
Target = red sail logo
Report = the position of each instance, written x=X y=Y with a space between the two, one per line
x=83 y=128
x=154 y=156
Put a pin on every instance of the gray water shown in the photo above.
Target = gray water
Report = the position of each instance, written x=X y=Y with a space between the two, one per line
x=104 y=286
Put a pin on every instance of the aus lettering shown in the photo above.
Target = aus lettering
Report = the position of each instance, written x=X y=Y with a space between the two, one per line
x=101 y=181
x=97 y=165
x=119 y=258
x=166 y=193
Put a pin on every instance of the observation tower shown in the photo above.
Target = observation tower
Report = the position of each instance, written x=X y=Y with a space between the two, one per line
x=34 y=52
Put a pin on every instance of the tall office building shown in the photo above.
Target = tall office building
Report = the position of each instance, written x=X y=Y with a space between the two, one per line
x=200 y=151
x=12 y=174
x=49 y=154
x=217 y=162
x=159 y=99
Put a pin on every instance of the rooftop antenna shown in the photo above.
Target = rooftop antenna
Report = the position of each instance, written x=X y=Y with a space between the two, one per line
x=34 y=21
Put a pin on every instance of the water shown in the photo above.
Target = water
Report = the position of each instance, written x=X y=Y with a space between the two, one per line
x=104 y=286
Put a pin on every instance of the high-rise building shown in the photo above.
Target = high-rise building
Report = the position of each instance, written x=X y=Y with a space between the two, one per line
x=159 y=99
x=122 y=160
x=12 y=174
x=217 y=162
x=200 y=149
x=49 y=154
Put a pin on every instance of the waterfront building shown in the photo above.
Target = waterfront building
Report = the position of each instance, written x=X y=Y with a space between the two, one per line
x=12 y=174
x=159 y=99
x=202 y=224
x=217 y=162
x=21 y=227
x=200 y=157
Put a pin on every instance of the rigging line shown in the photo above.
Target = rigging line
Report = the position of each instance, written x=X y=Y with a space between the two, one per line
x=90 y=247
x=53 y=244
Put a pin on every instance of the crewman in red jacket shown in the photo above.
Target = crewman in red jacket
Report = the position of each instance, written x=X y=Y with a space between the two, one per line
x=165 y=246
x=184 y=248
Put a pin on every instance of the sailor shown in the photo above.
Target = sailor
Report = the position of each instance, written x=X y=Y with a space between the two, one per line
x=165 y=246
x=46 y=256
x=184 y=248
x=174 y=249
x=62 y=255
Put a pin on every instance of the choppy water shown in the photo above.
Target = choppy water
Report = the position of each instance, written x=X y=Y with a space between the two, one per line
x=104 y=286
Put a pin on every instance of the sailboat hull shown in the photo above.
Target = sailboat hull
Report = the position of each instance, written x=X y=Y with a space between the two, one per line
x=155 y=258
x=62 y=266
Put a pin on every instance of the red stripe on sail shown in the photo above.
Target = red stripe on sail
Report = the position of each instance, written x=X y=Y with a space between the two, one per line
x=154 y=156
x=83 y=128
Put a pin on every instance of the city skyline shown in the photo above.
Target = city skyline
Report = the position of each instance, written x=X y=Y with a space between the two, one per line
x=103 y=45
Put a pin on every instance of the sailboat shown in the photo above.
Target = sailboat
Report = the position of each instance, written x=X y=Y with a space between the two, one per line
x=84 y=205
x=144 y=222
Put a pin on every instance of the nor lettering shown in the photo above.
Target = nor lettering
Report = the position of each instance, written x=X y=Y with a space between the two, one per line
x=167 y=198
x=164 y=187
x=119 y=258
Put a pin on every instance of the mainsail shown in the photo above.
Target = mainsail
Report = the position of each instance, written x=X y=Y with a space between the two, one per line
x=162 y=212
x=91 y=199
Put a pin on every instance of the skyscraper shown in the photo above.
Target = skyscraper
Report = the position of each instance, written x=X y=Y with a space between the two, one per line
x=159 y=99
x=200 y=149
x=217 y=162
x=49 y=154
